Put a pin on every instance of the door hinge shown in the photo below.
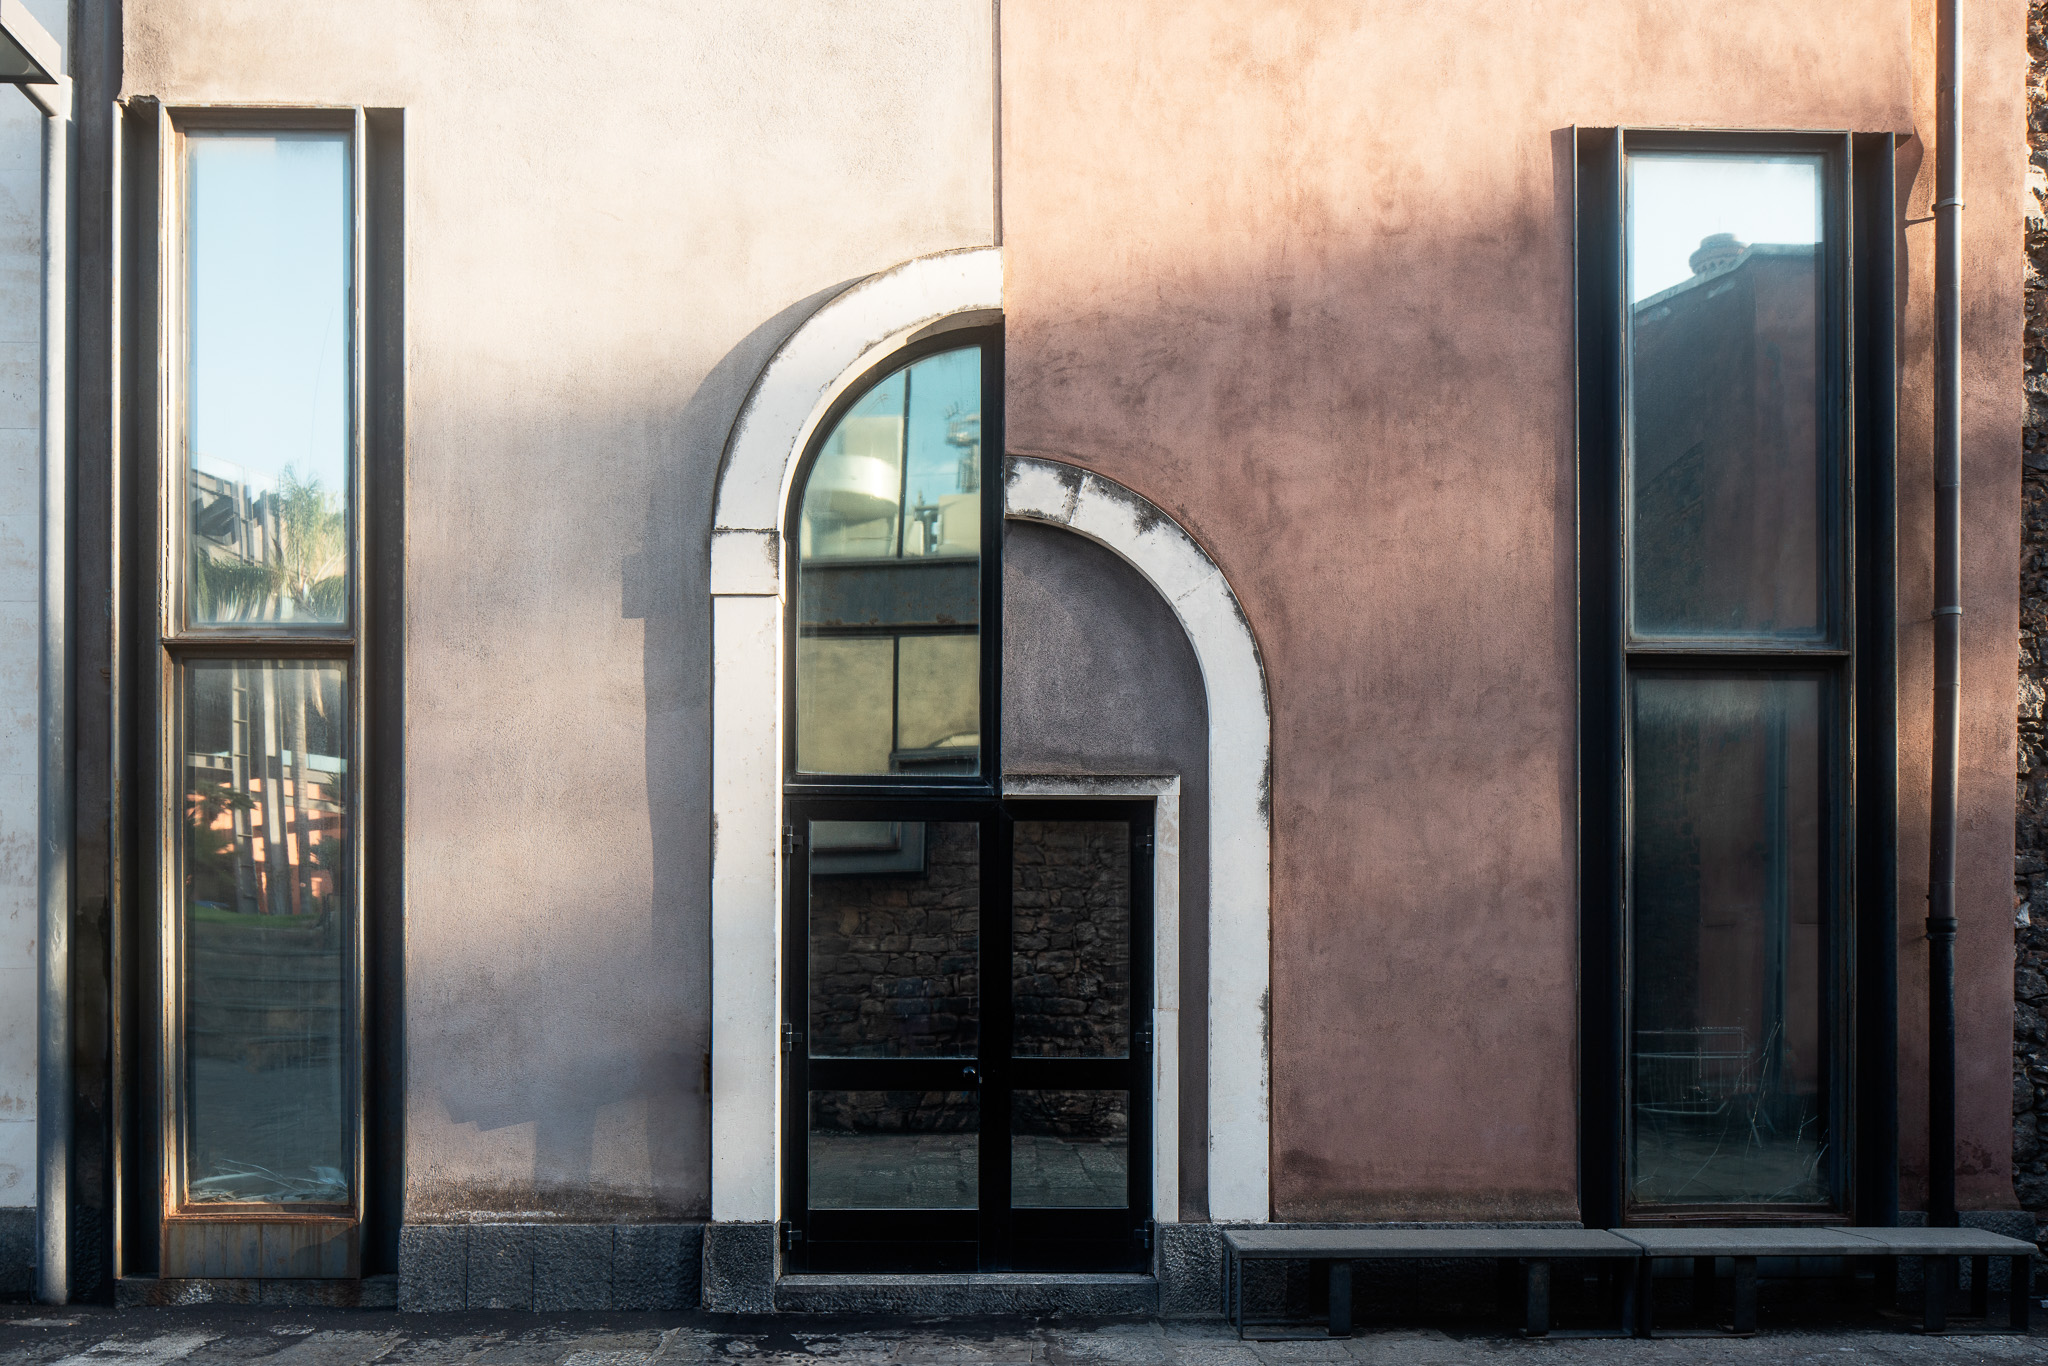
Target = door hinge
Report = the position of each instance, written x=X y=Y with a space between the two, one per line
x=1144 y=1036
x=1142 y=1235
x=791 y=1037
x=789 y=1235
x=791 y=840
x=1145 y=839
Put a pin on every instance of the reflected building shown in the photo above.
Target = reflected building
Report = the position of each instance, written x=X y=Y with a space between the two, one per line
x=1727 y=471
x=889 y=579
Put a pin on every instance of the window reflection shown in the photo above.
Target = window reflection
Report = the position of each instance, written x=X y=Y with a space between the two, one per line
x=1070 y=939
x=1070 y=1149
x=1727 y=941
x=895 y=939
x=1726 y=460
x=267 y=428
x=264 y=872
x=894 y=1149
x=889 y=579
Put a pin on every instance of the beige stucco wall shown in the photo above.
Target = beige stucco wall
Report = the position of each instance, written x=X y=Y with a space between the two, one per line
x=1301 y=273
x=616 y=208
x=21 y=294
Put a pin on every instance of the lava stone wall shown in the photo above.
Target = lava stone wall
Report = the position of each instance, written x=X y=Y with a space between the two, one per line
x=894 y=966
x=1070 y=917
x=2030 y=871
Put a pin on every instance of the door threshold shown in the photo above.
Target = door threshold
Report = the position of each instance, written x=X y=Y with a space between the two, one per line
x=952 y=1294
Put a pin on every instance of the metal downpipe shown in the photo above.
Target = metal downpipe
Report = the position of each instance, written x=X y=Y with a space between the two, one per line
x=53 y=757
x=1948 y=621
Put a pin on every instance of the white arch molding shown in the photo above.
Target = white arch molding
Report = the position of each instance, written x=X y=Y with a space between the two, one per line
x=842 y=341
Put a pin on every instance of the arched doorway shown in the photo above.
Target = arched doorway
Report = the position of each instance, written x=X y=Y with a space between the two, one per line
x=817 y=377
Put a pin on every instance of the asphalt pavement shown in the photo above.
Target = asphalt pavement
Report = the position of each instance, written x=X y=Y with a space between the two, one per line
x=219 y=1335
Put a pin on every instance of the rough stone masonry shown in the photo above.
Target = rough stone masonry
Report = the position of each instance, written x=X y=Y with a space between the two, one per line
x=2030 y=872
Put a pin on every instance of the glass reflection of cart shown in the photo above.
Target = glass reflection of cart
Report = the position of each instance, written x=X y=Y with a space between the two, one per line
x=1693 y=1076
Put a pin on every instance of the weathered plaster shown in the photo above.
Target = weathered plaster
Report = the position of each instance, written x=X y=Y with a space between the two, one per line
x=1239 y=836
x=1301 y=276
x=1099 y=678
x=617 y=212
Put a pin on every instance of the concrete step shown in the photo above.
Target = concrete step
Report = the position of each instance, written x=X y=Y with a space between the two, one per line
x=1109 y=1295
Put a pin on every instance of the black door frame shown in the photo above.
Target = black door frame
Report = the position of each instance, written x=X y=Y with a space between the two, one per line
x=993 y=1237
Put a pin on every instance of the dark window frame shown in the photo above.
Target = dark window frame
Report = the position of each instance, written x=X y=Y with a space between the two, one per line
x=988 y=781
x=149 y=641
x=1857 y=651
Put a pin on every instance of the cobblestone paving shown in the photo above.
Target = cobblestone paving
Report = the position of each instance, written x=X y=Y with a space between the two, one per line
x=287 y=1337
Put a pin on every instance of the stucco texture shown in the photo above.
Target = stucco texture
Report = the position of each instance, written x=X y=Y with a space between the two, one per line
x=616 y=211
x=1300 y=273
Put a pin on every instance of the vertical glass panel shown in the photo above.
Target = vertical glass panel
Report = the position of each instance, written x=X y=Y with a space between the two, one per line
x=1727 y=385
x=894 y=1149
x=1070 y=958
x=264 y=889
x=267 y=403
x=889 y=579
x=1727 y=938
x=1070 y=1150
x=895 y=923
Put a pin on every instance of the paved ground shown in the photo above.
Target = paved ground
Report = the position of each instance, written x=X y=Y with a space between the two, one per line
x=341 y=1337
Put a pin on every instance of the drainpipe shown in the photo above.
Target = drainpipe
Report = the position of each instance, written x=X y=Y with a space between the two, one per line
x=1948 y=621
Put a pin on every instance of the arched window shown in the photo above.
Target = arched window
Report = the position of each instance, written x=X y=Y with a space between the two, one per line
x=896 y=541
x=968 y=976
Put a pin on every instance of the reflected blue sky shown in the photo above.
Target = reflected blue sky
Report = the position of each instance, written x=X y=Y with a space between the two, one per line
x=1675 y=201
x=945 y=395
x=268 y=244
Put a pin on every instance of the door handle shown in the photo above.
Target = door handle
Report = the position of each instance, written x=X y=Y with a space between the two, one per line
x=970 y=1076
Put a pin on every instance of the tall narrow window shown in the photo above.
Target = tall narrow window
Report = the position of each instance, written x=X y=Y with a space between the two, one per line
x=1722 y=670
x=262 y=669
x=1732 y=484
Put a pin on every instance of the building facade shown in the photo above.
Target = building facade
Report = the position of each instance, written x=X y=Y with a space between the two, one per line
x=762 y=657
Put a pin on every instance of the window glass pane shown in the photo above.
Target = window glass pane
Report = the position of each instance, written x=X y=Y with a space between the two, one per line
x=889 y=579
x=267 y=403
x=894 y=1149
x=1727 y=938
x=1070 y=919
x=264 y=891
x=1727 y=380
x=1070 y=1150
x=895 y=936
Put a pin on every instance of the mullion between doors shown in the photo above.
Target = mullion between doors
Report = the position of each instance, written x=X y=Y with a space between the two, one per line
x=993 y=1179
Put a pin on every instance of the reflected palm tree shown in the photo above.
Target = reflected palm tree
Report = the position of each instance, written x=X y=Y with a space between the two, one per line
x=278 y=556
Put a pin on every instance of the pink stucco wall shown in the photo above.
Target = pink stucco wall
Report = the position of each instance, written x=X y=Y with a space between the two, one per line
x=1301 y=274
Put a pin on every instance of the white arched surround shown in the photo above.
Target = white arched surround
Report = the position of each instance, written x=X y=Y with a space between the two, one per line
x=841 y=342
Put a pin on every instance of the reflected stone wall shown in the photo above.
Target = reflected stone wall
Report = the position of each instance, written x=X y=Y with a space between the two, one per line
x=894 y=972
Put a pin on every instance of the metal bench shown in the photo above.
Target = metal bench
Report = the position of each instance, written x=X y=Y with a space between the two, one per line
x=1941 y=1249
x=1744 y=1245
x=1741 y=1245
x=1532 y=1249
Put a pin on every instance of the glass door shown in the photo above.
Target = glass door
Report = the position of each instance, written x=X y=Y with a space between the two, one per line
x=968 y=1036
